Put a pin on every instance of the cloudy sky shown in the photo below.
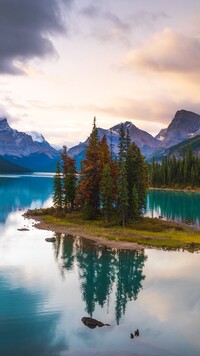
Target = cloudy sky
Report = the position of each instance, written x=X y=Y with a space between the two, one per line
x=62 y=62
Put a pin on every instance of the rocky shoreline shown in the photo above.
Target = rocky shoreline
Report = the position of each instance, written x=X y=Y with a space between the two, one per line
x=99 y=241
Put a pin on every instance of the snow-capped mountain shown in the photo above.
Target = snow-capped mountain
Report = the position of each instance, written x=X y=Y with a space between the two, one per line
x=146 y=142
x=184 y=125
x=36 y=136
x=29 y=150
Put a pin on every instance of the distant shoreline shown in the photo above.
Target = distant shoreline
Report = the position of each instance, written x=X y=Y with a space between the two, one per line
x=177 y=189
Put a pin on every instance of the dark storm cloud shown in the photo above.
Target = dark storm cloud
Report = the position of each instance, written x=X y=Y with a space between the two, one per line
x=25 y=30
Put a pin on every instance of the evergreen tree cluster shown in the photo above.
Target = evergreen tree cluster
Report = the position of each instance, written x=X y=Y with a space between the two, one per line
x=106 y=184
x=65 y=182
x=175 y=173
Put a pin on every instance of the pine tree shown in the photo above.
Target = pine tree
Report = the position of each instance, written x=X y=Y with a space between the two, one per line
x=106 y=192
x=136 y=177
x=115 y=175
x=104 y=154
x=57 y=188
x=173 y=172
x=128 y=139
x=123 y=193
x=122 y=143
x=69 y=180
x=111 y=146
x=134 y=204
x=89 y=184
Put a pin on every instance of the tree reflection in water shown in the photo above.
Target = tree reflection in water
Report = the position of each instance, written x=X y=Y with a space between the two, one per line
x=101 y=271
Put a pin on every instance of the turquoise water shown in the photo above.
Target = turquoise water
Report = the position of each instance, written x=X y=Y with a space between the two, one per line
x=46 y=288
x=172 y=205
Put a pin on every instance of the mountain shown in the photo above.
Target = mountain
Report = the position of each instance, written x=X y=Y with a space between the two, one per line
x=8 y=167
x=184 y=125
x=179 y=149
x=143 y=139
x=29 y=150
x=146 y=142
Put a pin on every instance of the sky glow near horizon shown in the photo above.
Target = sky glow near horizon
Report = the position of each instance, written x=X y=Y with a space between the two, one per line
x=62 y=62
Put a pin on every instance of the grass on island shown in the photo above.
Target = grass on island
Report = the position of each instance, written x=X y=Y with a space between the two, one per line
x=147 y=231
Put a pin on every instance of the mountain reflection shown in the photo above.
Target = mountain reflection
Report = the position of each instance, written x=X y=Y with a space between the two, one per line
x=102 y=271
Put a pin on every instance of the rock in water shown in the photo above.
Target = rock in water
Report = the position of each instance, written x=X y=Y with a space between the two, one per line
x=50 y=239
x=92 y=323
x=137 y=332
x=23 y=229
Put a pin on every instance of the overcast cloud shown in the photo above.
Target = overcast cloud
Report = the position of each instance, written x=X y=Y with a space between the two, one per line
x=26 y=28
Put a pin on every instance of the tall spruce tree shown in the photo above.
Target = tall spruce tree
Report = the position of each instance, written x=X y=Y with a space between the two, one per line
x=136 y=179
x=134 y=208
x=107 y=192
x=89 y=183
x=57 y=188
x=123 y=194
x=69 y=180
x=122 y=143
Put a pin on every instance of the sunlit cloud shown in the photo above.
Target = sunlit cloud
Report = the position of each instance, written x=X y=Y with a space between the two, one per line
x=166 y=52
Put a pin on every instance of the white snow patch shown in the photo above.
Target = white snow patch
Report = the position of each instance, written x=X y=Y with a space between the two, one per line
x=116 y=132
x=161 y=138
x=36 y=136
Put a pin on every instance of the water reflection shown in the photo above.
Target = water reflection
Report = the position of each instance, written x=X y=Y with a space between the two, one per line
x=101 y=271
x=20 y=320
x=172 y=205
x=19 y=193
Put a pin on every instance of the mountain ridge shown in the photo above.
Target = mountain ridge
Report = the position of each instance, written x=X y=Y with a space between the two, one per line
x=30 y=149
x=184 y=125
x=20 y=149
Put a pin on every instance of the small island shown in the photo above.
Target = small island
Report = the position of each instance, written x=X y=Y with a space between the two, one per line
x=106 y=199
x=146 y=232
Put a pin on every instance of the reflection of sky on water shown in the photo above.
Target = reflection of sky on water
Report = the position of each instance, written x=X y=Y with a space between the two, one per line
x=45 y=290
x=42 y=298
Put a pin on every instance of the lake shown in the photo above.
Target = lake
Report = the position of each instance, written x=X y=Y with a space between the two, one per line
x=47 y=288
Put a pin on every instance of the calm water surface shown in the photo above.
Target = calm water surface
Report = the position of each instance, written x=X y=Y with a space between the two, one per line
x=177 y=206
x=46 y=288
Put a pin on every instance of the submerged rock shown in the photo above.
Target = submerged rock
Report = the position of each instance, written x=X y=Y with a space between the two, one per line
x=92 y=323
x=50 y=239
x=23 y=229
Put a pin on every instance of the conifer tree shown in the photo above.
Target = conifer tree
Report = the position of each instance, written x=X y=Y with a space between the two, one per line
x=136 y=178
x=134 y=204
x=128 y=139
x=57 y=188
x=123 y=193
x=104 y=154
x=69 y=180
x=111 y=146
x=122 y=143
x=173 y=172
x=89 y=184
x=106 y=191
